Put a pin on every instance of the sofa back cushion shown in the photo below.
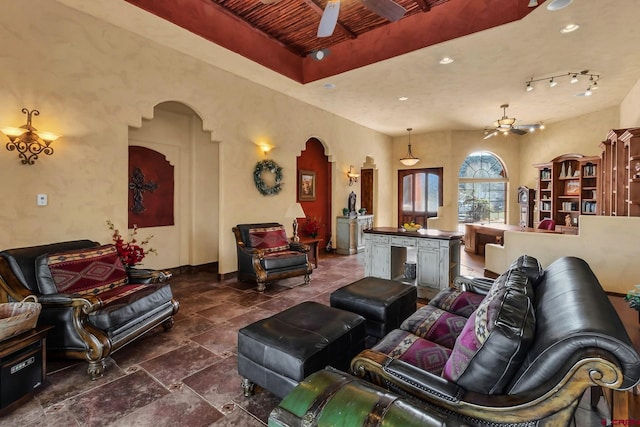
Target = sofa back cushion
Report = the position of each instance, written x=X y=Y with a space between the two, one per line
x=530 y=266
x=494 y=341
x=22 y=261
x=82 y=271
x=269 y=239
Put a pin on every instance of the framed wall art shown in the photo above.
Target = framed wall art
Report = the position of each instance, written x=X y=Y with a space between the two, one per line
x=306 y=185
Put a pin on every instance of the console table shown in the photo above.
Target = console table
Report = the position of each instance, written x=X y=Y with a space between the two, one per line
x=349 y=230
x=436 y=254
x=477 y=235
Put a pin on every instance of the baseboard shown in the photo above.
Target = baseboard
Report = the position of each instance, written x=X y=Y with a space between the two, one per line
x=211 y=267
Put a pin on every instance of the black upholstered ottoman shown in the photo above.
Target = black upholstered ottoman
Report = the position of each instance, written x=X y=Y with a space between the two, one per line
x=280 y=351
x=385 y=304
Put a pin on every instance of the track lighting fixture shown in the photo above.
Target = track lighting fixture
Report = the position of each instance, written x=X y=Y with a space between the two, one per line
x=574 y=76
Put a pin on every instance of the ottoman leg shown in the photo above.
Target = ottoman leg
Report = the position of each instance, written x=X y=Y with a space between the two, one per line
x=247 y=387
x=307 y=279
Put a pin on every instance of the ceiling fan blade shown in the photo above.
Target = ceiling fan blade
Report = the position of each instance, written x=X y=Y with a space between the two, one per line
x=527 y=127
x=388 y=9
x=491 y=134
x=329 y=18
x=517 y=131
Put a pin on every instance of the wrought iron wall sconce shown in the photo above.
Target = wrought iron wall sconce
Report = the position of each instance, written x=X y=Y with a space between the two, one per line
x=29 y=141
x=353 y=177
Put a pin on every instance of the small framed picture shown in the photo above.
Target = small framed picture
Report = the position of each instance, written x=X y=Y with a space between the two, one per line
x=572 y=188
x=306 y=185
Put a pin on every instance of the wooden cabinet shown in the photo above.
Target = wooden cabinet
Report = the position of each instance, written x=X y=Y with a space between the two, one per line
x=620 y=174
x=569 y=186
x=631 y=140
x=350 y=233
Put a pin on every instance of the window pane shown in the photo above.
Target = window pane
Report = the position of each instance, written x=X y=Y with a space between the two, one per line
x=420 y=193
x=434 y=193
x=407 y=191
x=480 y=200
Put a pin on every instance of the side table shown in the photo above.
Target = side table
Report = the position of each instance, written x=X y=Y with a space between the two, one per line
x=22 y=366
x=314 y=243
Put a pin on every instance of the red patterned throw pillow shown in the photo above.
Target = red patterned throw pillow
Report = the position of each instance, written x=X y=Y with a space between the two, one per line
x=269 y=239
x=87 y=271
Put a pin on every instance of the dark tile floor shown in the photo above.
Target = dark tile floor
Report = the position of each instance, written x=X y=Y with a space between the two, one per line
x=188 y=376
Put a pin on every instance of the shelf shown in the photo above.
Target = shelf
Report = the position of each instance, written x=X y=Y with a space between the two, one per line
x=588 y=213
x=589 y=188
x=561 y=211
x=564 y=196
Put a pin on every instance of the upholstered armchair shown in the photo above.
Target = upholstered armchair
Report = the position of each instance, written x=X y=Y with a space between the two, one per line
x=95 y=305
x=266 y=254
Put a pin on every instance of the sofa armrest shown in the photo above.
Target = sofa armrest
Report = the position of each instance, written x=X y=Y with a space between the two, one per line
x=87 y=303
x=299 y=246
x=147 y=275
x=478 y=285
x=381 y=369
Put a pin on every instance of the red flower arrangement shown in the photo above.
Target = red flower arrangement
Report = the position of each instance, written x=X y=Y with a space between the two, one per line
x=311 y=226
x=131 y=253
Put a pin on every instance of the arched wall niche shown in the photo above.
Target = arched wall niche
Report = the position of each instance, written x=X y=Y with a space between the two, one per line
x=313 y=159
x=176 y=130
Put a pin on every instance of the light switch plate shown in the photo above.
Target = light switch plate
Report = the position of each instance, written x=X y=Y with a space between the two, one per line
x=42 y=200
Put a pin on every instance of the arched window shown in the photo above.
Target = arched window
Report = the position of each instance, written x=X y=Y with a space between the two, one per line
x=482 y=189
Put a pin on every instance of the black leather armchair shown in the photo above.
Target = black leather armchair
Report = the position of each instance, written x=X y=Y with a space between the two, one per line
x=266 y=254
x=92 y=323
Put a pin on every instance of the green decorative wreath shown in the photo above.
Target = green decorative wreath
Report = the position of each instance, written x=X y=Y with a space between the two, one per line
x=268 y=166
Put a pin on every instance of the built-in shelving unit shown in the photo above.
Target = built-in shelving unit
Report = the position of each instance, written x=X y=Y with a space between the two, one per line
x=568 y=187
x=620 y=173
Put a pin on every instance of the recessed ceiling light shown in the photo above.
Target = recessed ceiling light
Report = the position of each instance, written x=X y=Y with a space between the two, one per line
x=329 y=86
x=569 y=28
x=403 y=98
x=446 y=60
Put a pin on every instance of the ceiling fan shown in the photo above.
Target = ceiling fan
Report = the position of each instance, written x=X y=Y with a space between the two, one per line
x=387 y=9
x=507 y=125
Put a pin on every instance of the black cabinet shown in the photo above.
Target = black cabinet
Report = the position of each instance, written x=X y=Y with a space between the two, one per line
x=22 y=367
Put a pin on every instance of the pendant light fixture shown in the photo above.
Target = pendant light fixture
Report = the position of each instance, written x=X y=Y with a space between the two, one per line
x=409 y=159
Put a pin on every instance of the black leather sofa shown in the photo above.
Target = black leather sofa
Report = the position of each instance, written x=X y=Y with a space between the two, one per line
x=520 y=350
x=89 y=322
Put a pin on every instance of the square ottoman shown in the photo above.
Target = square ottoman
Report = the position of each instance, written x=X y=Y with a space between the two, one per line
x=280 y=351
x=385 y=304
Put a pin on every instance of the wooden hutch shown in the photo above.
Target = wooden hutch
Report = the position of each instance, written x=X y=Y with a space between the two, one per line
x=621 y=173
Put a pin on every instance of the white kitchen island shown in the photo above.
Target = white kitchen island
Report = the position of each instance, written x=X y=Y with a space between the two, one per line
x=436 y=255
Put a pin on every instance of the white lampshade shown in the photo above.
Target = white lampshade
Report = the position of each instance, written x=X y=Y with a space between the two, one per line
x=295 y=211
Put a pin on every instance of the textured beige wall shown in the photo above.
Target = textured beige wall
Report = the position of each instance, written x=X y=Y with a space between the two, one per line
x=448 y=149
x=630 y=108
x=607 y=243
x=581 y=135
x=91 y=81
